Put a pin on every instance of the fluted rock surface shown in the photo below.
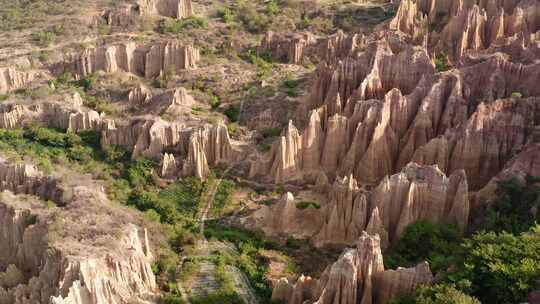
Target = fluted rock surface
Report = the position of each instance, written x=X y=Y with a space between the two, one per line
x=198 y=147
x=416 y=193
x=421 y=193
x=26 y=179
x=290 y=48
x=285 y=218
x=84 y=251
x=170 y=8
x=11 y=79
x=66 y=115
x=145 y=60
x=374 y=127
x=293 y=48
x=526 y=163
x=10 y=115
x=357 y=277
x=467 y=26
x=482 y=145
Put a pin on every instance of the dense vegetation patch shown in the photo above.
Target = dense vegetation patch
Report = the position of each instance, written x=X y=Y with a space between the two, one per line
x=498 y=264
x=434 y=243
x=249 y=261
x=307 y=205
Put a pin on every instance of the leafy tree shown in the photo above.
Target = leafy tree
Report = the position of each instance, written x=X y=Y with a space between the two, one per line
x=422 y=241
x=437 y=294
x=502 y=268
x=517 y=207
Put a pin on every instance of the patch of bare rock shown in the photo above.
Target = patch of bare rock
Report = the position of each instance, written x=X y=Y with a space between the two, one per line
x=83 y=249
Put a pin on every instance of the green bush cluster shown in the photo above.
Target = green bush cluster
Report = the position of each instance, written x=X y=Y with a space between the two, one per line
x=248 y=244
x=223 y=197
x=291 y=86
x=441 y=62
x=307 y=205
x=492 y=267
x=517 y=207
x=264 y=62
x=437 y=294
x=233 y=113
x=270 y=132
x=434 y=243
x=175 y=26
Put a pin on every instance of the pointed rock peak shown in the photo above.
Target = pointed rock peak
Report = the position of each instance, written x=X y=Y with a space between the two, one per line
x=287 y=197
x=376 y=227
x=314 y=118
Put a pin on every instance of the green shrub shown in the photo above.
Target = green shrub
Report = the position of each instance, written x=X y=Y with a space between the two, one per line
x=175 y=26
x=307 y=205
x=248 y=245
x=253 y=20
x=215 y=102
x=43 y=38
x=437 y=294
x=233 y=113
x=425 y=241
x=441 y=62
x=3 y=97
x=502 y=268
x=226 y=14
x=517 y=95
x=271 y=132
x=513 y=210
x=232 y=128
x=223 y=197
x=263 y=62
x=170 y=298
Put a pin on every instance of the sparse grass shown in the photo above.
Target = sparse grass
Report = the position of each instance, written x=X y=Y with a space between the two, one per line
x=174 y=26
x=20 y=15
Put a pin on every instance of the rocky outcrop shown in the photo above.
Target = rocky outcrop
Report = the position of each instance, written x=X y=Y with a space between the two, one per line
x=347 y=214
x=45 y=275
x=357 y=277
x=148 y=61
x=169 y=167
x=11 y=79
x=524 y=164
x=198 y=147
x=169 y=8
x=10 y=115
x=285 y=218
x=461 y=27
x=402 y=281
x=293 y=48
x=85 y=250
x=483 y=144
x=68 y=114
x=421 y=193
x=140 y=95
x=416 y=193
x=289 y=48
x=367 y=129
x=26 y=179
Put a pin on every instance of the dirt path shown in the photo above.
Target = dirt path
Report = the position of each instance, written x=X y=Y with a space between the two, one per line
x=205 y=282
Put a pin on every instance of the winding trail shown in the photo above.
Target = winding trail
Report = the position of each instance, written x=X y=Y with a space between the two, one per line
x=206 y=282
